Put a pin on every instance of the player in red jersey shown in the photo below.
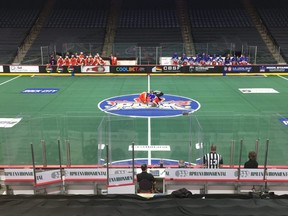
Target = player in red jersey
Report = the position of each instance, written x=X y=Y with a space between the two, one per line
x=60 y=61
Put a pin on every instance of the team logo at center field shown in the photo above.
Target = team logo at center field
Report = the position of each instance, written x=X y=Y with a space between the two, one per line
x=129 y=105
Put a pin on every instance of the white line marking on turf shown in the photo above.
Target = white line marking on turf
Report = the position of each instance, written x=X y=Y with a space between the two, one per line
x=9 y=80
x=282 y=77
x=149 y=125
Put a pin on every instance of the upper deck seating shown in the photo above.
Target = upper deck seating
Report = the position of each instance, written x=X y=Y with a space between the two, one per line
x=16 y=19
x=148 y=24
x=224 y=26
x=73 y=26
x=275 y=17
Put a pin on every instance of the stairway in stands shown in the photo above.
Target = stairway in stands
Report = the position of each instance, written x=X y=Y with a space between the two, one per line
x=185 y=24
x=111 y=27
x=263 y=31
x=35 y=30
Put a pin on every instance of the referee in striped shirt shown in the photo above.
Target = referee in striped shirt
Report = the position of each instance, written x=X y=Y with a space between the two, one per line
x=212 y=159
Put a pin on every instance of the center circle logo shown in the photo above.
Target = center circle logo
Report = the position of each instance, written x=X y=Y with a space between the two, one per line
x=129 y=105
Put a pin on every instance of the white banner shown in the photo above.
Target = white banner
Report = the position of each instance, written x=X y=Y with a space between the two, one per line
x=257 y=90
x=86 y=174
x=22 y=68
x=157 y=172
x=251 y=174
x=19 y=174
x=9 y=122
x=150 y=148
x=48 y=177
x=277 y=174
x=258 y=174
x=165 y=61
x=95 y=69
x=227 y=174
x=201 y=174
x=126 y=62
x=120 y=178
x=1 y=69
x=116 y=171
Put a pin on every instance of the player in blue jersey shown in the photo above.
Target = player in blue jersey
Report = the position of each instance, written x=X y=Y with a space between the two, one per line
x=175 y=59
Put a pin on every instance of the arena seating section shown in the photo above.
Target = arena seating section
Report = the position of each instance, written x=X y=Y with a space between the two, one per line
x=275 y=16
x=82 y=23
x=76 y=26
x=144 y=26
x=15 y=22
x=227 y=24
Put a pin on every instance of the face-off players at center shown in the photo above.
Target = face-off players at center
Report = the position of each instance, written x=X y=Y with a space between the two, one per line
x=152 y=97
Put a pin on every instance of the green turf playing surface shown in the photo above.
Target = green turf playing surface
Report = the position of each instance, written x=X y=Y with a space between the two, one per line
x=72 y=116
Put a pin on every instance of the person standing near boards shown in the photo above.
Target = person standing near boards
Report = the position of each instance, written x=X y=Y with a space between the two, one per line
x=212 y=160
x=252 y=162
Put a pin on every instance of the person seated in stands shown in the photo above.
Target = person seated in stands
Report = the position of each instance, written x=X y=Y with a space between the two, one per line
x=175 y=59
x=60 y=61
x=90 y=61
x=81 y=56
x=73 y=60
x=184 y=60
x=98 y=60
x=146 y=181
x=214 y=60
x=207 y=59
x=203 y=59
x=52 y=60
x=113 y=59
x=81 y=61
x=252 y=162
x=220 y=60
x=181 y=164
x=234 y=60
x=191 y=61
x=67 y=61
x=86 y=60
x=246 y=60
x=198 y=59
x=243 y=60
x=227 y=60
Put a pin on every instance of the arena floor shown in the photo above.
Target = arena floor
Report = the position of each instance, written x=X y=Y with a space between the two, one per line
x=52 y=110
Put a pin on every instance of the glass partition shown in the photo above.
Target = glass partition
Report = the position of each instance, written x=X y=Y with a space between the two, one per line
x=148 y=54
x=87 y=139
x=86 y=48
